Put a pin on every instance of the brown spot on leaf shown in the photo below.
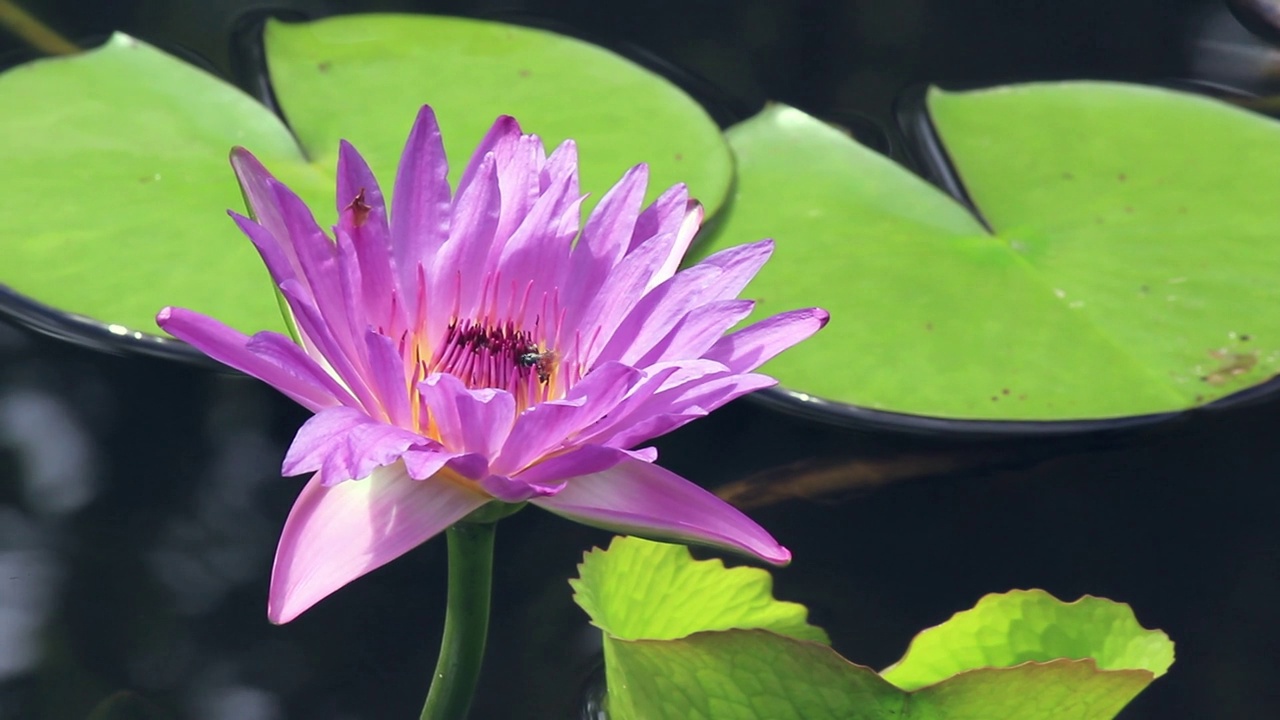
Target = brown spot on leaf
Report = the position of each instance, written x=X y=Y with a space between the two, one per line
x=323 y=66
x=1232 y=364
x=1004 y=391
x=524 y=72
x=1068 y=176
x=928 y=326
x=1122 y=177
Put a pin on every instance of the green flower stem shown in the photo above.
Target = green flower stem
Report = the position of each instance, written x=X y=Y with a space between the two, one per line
x=466 y=621
x=38 y=35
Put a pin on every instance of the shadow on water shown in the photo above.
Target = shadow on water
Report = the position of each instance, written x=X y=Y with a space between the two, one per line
x=140 y=498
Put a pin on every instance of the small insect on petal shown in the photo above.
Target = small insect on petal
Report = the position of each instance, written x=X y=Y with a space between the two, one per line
x=543 y=361
x=359 y=209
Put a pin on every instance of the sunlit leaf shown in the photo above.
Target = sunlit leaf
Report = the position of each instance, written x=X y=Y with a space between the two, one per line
x=117 y=181
x=686 y=639
x=362 y=78
x=1130 y=267
x=640 y=589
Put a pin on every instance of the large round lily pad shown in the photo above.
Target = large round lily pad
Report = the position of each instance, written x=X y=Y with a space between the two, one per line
x=1132 y=265
x=117 y=181
x=363 y=77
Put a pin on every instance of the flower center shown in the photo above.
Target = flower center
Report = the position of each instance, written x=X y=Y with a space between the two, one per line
x=495 y=356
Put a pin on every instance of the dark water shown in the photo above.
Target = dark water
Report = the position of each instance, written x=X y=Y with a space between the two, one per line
x=140 y=499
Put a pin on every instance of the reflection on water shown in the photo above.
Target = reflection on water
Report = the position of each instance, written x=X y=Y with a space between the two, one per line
x=28 y=575
x=54 y=453
x=49 y=473
x=223 y=538
x=1224 y=52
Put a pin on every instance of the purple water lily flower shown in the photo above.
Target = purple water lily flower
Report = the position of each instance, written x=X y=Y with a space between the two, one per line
x=474 y=346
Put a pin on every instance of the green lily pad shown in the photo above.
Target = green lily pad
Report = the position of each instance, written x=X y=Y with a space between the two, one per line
x=383 y=67
x=643 y=589
x=117 y=179
x=686 y=639
x=743 y=675
x=117 y=182
x=1130 y=268
x=1023 y=626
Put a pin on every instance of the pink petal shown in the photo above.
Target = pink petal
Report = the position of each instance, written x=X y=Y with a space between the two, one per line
x=537 y=248
x=513 y=491
x=643 y=499
x=280 y=265
x=657 y=312
x=654 y=426
x=287 y=353
x=336 y=534
x=355 y=178
x=648 y=454
x=471 y=235
x=504 y=129
x=681 y=240
x=551 y=475
x=420 y=210
x=586 y=460
x=672 y=407
x=632 y=409
x=519 y=163
x=605 y=238
x=255 y=184
x=663 y=217
x=697 y=331
x=562 y=163
x=754 y=345
x=366 y=231
x=619 y=293
x=548 y=426
x=230 y=347
x=387 y=378
x=343 y=444
x=740 y=264
x=314 y=328
x=317 y=258
x=474 y=421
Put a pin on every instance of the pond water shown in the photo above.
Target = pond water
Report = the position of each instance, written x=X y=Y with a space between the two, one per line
x=140 y=499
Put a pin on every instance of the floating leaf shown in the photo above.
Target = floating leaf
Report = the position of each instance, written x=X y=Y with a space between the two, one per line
x=1032 y=626
x=1129 y=270
x=743 y=675
x=363 y=77
x=640 y=589
x=117 y=181
x=686 y=639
